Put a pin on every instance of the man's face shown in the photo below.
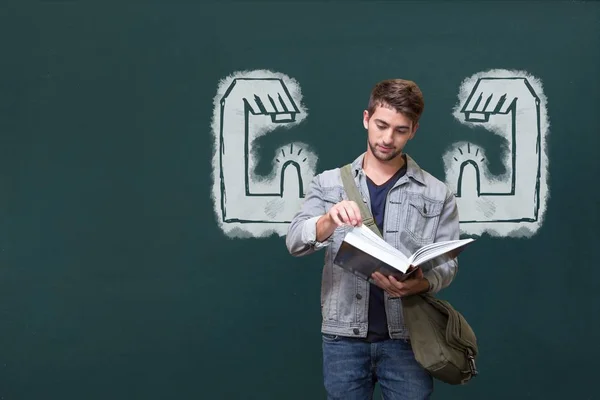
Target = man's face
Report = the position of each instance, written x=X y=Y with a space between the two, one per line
x=388 y=132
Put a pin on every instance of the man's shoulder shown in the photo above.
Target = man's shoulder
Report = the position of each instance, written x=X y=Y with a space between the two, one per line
x=335 y=173
x=432 y=180
x=435 y=187
x=329 y=177
x=327 y=173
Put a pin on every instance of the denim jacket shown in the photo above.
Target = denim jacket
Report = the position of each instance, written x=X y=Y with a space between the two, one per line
x=419 y=210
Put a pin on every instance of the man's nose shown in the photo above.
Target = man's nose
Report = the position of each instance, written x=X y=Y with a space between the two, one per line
x=388 y=136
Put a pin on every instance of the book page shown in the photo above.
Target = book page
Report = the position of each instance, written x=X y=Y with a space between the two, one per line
x=363 y=264
x=450 y=248
x=367 y=234
x=387 y=254
x=432 y=247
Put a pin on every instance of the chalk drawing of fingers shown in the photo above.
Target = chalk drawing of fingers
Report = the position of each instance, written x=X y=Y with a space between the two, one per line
x=249 y=105
x=510 y=104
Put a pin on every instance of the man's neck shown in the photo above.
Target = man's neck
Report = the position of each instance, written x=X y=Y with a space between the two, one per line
x=381 y=171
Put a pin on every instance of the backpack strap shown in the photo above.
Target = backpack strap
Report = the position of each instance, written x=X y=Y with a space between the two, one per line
x=354 y=195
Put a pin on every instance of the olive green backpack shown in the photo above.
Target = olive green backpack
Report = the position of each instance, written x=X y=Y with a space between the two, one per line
x=443 y=342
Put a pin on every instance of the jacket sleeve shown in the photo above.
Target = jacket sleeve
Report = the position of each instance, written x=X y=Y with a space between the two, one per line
x=448 y=229
x=302 y=231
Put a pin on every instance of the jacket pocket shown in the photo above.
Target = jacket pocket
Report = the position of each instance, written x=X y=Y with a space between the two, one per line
x=423 y=217
x=332 y=196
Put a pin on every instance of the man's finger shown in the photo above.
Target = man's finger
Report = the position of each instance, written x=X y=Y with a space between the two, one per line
x=418 y=273
x=335 y=216
x=344 y=217
x=383 y=282
x=353 y=215
x=393 y=292
x=396 y=283
x=378 y=276
x=356 y=211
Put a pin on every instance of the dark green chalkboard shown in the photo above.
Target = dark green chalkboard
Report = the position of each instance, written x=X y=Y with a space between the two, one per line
x=116 y=279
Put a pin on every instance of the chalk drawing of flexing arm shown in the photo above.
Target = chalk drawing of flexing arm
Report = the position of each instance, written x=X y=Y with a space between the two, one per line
x=249 y=105
x=512 y=105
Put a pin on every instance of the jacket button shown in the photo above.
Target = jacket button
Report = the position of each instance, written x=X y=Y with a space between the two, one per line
x=356 y=331
x=358 y=296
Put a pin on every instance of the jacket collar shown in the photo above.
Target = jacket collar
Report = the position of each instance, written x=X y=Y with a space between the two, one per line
x=412 y=168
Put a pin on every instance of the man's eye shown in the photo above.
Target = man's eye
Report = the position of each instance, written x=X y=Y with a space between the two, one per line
x=381 y=127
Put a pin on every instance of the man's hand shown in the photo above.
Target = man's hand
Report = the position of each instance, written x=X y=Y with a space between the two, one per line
x=346 y=212
x=413 y=285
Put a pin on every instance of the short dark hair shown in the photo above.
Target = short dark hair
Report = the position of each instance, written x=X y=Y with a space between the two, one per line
x=402 y=95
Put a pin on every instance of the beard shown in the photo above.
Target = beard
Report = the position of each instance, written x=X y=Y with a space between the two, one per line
x=384 y=156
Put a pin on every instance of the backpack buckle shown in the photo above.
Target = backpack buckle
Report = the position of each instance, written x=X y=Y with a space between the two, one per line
x=472 y=365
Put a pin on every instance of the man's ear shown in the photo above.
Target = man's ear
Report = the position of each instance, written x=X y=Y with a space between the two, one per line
x=412 y=135
x=366 y=119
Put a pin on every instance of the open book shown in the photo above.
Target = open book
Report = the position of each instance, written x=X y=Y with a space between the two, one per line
x=363 y=252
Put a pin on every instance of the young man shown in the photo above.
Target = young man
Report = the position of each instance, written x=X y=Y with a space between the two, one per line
x=364 y=338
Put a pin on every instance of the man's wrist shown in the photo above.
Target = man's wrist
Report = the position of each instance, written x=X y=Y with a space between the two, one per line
x=324 y=228
x=427 y=285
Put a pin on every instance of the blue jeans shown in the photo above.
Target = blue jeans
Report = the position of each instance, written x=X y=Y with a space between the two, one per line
x=351 y=367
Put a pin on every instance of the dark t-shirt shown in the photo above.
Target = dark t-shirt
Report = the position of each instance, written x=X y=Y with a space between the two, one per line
x=378 y=329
